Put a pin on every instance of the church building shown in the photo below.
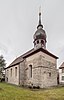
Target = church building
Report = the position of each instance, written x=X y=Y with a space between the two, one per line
x=37 y=67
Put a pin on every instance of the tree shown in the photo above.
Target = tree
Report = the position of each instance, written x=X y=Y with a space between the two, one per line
x=2 y=62
x=2 y=65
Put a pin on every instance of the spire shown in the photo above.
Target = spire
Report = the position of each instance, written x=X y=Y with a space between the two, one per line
x=40 y=18
x=40 y=15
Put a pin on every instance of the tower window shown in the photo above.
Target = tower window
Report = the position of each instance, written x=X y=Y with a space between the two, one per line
x=30 y=71
x=42 y=41
x=34 y=43
x=37 y=42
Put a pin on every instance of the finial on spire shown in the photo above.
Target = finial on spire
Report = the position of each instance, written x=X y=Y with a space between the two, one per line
x=40 y=15
x=40 y=9
x=40 y=18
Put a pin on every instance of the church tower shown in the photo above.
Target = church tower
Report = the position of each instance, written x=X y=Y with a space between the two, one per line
x=40 y=35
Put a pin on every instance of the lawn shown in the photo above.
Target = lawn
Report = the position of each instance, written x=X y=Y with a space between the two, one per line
x=10 y=92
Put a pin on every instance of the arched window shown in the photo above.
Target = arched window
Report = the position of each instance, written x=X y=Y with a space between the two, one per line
x=34 y=43
x=15 y=71
x=42 y=41
x=37 y=41
x=11 y=72
x=7 y=73
x=30 y=71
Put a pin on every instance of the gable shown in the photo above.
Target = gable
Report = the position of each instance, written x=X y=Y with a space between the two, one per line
x=42 y=55
x=42 y=50
x=62 y=66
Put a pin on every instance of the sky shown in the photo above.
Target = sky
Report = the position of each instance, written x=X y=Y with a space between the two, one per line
x=18 y=23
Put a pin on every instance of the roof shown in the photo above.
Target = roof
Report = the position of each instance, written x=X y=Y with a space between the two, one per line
x=19 y=59
x=16 y=61
x=62 y=66
x=29 y=53
x=37 y=50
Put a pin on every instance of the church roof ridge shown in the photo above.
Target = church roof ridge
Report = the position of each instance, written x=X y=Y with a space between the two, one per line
x=29 y=53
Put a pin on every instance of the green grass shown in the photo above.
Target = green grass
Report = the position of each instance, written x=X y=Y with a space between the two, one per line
x=10 y=92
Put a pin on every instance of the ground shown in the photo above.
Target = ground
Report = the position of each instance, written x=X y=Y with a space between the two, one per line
x=10 y=92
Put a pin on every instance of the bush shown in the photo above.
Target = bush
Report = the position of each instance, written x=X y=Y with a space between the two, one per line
x=36 y=87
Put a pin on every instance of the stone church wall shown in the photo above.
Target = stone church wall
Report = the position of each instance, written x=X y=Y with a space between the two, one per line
x=44 y=72
x=42 y=66
x=12 y=78
x=22 y=73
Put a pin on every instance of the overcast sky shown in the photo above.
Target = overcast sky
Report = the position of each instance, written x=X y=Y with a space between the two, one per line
x=18 y=22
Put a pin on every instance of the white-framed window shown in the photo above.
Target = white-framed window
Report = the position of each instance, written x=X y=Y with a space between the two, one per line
x=30 y=71
x=62 y=70
x=62 y=77
x=15 y=71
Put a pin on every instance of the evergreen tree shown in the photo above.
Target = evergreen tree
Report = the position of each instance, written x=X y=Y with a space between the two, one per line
x=2 y=65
